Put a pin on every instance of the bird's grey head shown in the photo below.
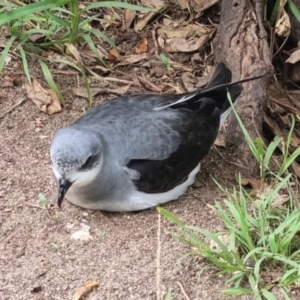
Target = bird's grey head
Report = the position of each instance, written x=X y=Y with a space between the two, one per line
x=76 y=157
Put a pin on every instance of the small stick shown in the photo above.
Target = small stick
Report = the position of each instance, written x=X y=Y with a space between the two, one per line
x=154 y=40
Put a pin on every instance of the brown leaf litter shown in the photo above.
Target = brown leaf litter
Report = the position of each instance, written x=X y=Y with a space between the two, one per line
x=184 y=38
x=45 y=99
x=197 y=5
x=158 y=5
x=295 y=57
x=142 y=46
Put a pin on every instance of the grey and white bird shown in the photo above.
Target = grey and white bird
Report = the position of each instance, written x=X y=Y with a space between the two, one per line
x=138 y=151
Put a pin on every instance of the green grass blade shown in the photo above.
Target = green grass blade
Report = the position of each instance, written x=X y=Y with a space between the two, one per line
x=169 y=295
x=284 y=294
x=237 y=291
x=270 y=150
x=29 y=9
x=268 y=295
x=102 y=36
x=25 y=63
x=294 y=10
x=244 y=130
x=50 y=81
x=274 y=12
x=5 y=51
x=254 y=287
x=92 y=46
x=58 y=20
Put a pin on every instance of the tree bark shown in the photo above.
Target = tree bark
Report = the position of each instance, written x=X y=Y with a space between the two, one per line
x=242 y=44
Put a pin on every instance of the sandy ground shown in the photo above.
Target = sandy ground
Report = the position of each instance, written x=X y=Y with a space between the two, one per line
x=38 y=257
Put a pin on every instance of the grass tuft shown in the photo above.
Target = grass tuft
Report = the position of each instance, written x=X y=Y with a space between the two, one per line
x=262 y=229
x=57 y=23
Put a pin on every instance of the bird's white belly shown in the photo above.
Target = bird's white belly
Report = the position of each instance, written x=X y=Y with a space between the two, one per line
x=136 y=201
x=140 y=200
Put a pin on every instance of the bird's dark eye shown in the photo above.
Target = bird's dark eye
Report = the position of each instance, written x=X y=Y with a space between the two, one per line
x=87 y=162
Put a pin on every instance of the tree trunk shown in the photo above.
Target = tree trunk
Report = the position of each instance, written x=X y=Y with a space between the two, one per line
x=242 y=44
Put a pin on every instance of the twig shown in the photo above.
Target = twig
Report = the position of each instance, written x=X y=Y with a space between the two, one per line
x=158 y=253
x=154 y=40
x=182 y=290
x=12 y=108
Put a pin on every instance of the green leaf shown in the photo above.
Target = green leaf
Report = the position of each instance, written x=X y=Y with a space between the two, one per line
x=5 y=51
x=237 y=291
x=29 y=9
x=169 y=295
x=284 y=293
x=294 y=10
x=102 y=36
x=43 y=200
x=245 y=132
x=92 y=46
x=274 y=12
x=58 y=20
x=270 y=150
x=268 y=295
x=25 y=63
x=55 y=246
x=50 y=81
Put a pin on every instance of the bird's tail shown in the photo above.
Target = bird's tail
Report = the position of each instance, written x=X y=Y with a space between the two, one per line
x=217 y=89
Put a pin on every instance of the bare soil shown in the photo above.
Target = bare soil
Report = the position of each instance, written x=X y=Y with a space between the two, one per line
x=38 y=258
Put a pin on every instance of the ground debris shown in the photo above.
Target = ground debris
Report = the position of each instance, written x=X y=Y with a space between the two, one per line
x=45 y=100
x=87 y=287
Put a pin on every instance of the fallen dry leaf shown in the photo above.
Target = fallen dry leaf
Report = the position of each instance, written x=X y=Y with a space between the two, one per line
x=87 y=287
x=132 y=59
x=45 y=100
x=115 y=54
x=142 y=46
x=82 y=92
x=220 y=141
x=295 y=57
x=283 y=25
x=202 y=5
x=128 y=18
x=158 y=5
x=35 y=37
x=183 y=45
x=73 y=50
x=187 y=31
x=183 y=3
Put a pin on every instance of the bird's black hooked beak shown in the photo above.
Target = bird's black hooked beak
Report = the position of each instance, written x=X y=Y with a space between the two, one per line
x=64 y=185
